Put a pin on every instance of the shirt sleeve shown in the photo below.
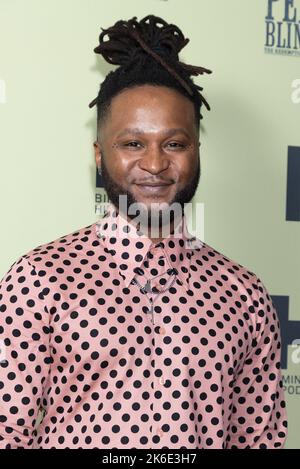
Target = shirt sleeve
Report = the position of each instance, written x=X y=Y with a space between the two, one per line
x=25 y=354
x=259 y=417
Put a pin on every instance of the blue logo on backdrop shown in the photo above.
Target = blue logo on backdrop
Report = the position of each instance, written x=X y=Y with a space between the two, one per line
x=99 y=182
x=282 y=27
x=290 y=330
x=293 y=185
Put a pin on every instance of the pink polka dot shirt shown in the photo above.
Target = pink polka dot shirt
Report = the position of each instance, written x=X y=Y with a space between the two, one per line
x=125 y=343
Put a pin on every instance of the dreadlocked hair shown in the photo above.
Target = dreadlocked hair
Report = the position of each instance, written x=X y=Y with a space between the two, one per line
x=147 y=53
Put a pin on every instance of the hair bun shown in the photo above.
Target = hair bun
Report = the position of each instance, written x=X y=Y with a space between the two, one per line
x=127 y=38
x=131 y=42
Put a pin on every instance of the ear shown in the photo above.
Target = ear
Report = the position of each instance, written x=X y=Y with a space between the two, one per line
x=97 y=151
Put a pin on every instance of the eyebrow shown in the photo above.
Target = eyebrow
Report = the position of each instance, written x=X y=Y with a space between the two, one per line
x=166 y=133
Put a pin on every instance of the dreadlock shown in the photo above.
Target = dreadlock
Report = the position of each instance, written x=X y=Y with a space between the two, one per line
x=147 y=54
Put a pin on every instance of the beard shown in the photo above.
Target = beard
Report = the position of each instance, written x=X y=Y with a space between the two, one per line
x=156 y=219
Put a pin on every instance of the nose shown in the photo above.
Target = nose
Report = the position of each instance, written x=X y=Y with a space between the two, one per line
x=154 y=160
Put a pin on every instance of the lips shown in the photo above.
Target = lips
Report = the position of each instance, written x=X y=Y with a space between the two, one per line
x=153 y=188
x=154 y=184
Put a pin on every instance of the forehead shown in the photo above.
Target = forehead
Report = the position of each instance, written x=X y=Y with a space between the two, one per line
x=150 y=107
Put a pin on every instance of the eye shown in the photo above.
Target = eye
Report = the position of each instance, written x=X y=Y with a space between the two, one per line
x=178 y=145
x=129 y=144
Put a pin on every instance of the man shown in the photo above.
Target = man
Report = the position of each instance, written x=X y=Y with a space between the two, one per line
x=128 y=339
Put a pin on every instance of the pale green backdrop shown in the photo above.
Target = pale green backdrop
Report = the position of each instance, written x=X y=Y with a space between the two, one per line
x=47 y=185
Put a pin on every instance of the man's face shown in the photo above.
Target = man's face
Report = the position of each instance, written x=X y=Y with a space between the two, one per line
x=149 y=149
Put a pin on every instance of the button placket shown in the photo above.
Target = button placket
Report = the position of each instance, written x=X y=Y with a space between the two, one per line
x=164 y=271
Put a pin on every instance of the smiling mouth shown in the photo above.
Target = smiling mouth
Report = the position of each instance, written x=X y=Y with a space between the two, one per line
x=153 y=188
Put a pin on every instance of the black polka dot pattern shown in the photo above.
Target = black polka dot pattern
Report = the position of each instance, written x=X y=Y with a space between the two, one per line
x=80 y=344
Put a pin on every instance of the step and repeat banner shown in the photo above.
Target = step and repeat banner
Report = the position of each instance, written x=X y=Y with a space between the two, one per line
x=250 y=151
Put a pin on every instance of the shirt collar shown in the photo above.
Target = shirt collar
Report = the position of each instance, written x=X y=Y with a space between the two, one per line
x=130 y=246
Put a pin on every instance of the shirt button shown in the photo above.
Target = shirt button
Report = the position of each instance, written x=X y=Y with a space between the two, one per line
x=159 y=432
x=162 y=380
x=162 y=330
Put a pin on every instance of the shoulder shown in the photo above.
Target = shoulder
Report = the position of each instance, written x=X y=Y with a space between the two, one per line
x=213 y=262
x=230 y=279
x=61 y=251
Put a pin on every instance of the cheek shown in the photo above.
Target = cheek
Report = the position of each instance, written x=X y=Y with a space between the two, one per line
x=194 y=164
x=119 y=168
x=187 y=170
